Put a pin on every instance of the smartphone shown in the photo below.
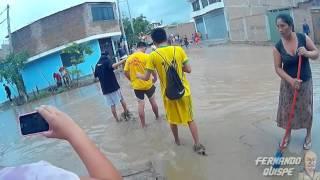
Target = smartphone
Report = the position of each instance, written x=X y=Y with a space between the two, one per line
x=33 y=123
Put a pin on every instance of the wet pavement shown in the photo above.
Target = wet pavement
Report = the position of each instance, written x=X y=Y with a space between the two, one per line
x=235 y=94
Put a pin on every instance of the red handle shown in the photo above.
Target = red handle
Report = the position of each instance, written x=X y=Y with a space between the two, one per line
x=299 y=67
x=294 y=101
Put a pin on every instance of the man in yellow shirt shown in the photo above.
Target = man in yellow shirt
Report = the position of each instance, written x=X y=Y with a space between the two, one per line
x=178 y=111
x=136 y=63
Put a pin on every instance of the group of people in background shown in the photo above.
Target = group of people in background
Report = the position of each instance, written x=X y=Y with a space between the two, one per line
x=143 y=70
x=64 y=76
x=184 y=41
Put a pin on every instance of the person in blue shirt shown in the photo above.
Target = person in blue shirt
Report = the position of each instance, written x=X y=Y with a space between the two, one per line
x=306 y=28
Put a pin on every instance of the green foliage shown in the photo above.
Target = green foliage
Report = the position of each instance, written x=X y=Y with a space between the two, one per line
x=77 y=53
x=11 y=68
x=140 y=24
x=75 y=73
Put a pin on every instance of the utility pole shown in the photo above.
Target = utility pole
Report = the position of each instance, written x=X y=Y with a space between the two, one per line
x=130 y=17
x=122 y=28
x=9 y=30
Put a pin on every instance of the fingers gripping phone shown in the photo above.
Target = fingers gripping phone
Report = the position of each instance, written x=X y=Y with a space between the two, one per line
x=33 y=123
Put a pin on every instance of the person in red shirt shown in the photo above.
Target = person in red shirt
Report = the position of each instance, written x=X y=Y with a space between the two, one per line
x=58 y=79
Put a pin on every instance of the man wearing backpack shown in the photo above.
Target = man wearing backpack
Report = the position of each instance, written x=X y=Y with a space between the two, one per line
x=136 y=63
x=171 y=64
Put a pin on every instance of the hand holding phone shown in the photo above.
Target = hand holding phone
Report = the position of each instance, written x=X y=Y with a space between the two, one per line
x=61 y=126
x=50 y=122
x=33 y=123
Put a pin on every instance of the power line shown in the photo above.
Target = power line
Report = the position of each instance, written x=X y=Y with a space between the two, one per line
x=3 y=21
x=3 y=11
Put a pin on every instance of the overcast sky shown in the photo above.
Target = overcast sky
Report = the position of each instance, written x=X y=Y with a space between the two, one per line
x=23 y=12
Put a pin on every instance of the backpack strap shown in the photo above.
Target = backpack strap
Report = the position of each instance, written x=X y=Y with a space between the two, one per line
x=174 y=58
x=164 y=59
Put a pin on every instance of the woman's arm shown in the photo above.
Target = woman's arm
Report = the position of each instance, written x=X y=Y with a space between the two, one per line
x=63 y=127
x=312 y=52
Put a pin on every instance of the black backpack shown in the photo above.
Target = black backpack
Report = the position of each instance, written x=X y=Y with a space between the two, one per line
x=175 y=89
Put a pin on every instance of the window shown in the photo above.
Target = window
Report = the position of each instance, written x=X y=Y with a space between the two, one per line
x=196 y=5
x=102 y=13
x=214 y=1
x=66 y=59
x=204 y=3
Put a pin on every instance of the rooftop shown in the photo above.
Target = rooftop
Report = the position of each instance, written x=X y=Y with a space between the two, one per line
x=95 y=1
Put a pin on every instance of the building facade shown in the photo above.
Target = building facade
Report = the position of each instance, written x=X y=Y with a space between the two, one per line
x=182 y=29
x=252 y=20
x=210 y=19
x=93 y=23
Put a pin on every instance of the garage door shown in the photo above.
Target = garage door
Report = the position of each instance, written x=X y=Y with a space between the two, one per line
x=272 y=15
x=216 y=24
x=200 y=26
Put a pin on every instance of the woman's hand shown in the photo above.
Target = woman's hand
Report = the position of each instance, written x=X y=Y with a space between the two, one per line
x=296 y=83
x=302 y=51
x=61 y=126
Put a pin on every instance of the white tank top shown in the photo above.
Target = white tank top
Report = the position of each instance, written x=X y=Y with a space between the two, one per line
x=36 y=171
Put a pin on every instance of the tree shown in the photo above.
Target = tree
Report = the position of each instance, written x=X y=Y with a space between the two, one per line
x=10 y=71
x=140 y=25
x=77 y=53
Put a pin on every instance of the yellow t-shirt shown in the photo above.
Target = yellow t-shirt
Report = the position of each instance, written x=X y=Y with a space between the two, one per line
x=136 y=63
x=156 y=62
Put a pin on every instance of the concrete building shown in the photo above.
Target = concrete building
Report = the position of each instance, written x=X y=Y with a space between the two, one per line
x=155 y=24
x=181 y=29
x=94 y=23
x=210 y=19
x=252 y=20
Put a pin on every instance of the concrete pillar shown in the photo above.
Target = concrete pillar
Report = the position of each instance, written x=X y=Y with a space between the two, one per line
x=244 y=22
x=226 y=17
x=267 y=27
x=205 y=27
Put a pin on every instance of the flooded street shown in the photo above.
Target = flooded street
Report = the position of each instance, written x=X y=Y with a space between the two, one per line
x=235 y=94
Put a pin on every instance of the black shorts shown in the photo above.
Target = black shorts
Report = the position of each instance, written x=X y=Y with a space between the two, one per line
x=150 y=92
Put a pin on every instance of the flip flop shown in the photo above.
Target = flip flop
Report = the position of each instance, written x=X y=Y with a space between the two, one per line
x=200 y=149
x=307 y=145
x=128 y=115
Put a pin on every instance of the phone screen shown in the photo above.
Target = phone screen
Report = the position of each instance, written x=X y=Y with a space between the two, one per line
x=33 y=123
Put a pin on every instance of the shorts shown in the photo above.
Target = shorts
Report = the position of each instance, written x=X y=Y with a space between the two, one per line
x=140 y=93
x=114 y=98
x=179 y=112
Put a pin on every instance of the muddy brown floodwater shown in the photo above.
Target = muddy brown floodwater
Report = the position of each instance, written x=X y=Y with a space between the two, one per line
x=235 y=95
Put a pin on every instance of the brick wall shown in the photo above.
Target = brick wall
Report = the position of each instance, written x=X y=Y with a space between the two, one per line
x=59 y=29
